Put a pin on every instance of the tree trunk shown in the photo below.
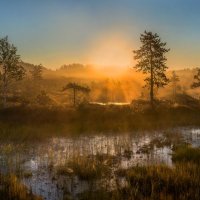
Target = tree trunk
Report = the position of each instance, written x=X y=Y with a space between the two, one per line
x=4 y=96
x=74 y=98
x=4 y=89
x=151 y=81
x=151 y=89
x=175 y=93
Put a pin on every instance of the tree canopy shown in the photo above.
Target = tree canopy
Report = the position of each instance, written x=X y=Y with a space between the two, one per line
x=36 y=72
x=9 y=65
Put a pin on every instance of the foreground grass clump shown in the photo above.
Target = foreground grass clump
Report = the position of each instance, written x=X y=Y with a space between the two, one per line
x=182 y=181
x=154 y=183
x=161 y=182
x=12 y=189
x=89 y=168
x=186 y=154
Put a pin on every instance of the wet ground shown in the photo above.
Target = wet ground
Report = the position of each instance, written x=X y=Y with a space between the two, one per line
x=35 y=163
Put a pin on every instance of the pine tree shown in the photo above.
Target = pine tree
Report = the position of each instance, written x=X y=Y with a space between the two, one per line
x=76 y=88
x=152 y=61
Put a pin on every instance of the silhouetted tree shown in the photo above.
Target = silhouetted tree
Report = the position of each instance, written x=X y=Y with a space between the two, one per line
x=9 y=65
x=174 y=79
x=151 y=60
x=196 y=79
x=36 y=72
x=76 y=88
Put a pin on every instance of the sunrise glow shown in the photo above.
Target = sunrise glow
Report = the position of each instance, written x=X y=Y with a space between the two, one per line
x=111 y=50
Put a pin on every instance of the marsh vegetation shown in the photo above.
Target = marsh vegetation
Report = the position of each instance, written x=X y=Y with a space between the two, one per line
x=74 y=133
x=136 y=165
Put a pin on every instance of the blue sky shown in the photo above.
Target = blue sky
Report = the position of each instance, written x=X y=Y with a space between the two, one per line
x=54 y=32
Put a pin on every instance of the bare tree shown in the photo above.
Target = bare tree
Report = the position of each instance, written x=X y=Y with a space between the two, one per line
x=9 y=65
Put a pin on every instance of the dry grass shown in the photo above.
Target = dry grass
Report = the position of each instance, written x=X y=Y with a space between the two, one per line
x=87 y=168
x=12 y=189
x=23 y=124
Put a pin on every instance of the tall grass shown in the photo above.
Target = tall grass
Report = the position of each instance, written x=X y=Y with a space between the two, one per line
x=162 y=182
x=153 y=182
x=182 y=181
x=38 y=123
x=12 y=189
x=88 y=168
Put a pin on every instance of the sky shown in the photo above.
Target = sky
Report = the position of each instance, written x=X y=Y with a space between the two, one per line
x=100 y=32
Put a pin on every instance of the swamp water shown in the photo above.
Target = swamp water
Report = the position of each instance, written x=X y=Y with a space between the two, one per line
x=36 y=164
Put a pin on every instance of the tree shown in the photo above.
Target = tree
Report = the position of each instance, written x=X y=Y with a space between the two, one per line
x=197 y=79
x=174 y=79
x=36 y=72
x=76 y=88
x=151 y=60
x=9 y=65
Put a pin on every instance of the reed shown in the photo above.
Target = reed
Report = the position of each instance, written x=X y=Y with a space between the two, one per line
x=12 y=189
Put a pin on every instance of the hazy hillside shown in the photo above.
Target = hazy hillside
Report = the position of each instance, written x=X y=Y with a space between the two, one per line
x=107 y=84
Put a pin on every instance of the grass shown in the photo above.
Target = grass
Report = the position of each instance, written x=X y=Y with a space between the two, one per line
x=162 y=182
x=153 y=182
x=182 y=181
x=12 y=189
x=23 y=124
x=87 y=168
